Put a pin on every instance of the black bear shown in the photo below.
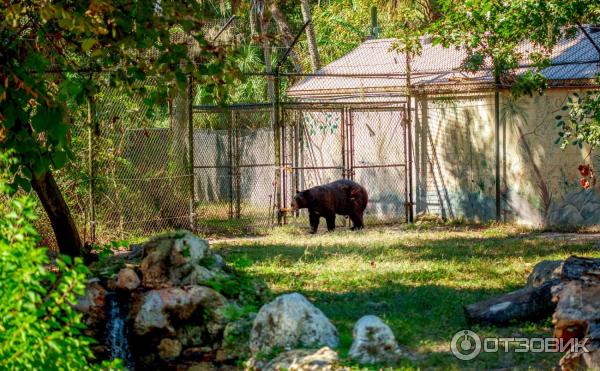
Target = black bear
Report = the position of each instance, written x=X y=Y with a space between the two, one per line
x=343 y=197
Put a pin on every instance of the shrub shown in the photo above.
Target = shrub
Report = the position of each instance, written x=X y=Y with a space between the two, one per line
x=39 y=328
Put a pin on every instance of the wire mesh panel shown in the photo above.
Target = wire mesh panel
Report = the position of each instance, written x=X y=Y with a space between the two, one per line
x=315 y=145
x=142 y=179
x=234 y=167
x=255 y=166
x=378 y=161
x=213 y=178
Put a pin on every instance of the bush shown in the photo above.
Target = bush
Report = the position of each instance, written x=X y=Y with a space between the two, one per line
x=39 y=328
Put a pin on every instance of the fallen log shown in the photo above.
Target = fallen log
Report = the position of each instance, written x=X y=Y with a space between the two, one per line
x=530 y=303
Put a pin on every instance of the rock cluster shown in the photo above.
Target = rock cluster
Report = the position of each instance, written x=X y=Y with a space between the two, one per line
x=292 y=323
x=175 y=318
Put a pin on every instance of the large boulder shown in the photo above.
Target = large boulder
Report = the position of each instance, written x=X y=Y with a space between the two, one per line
x=159 y=307
x=374 y=342
x=176 y=259
x=289 y=321
x=323 y=359
x=543 y=272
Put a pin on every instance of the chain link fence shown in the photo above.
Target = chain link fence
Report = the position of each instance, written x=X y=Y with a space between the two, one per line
x=393 y=122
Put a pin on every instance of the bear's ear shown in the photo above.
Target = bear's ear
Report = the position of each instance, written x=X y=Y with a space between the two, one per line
x=298 y=191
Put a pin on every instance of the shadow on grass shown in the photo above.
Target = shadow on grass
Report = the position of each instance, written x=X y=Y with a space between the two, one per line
x=457 y=249
x=418 y=283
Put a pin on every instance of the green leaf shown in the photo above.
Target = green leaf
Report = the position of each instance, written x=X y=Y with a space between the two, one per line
x=59 y=159
x=88 y=44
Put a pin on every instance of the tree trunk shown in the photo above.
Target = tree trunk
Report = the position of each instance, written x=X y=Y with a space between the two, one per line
x=315 y=59
x=530 y=303
x=286 y=33
x=254 y=35
x=65 y=229
x=263 y=23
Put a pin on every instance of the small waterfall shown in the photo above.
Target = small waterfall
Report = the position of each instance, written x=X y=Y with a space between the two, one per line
x=116 y=330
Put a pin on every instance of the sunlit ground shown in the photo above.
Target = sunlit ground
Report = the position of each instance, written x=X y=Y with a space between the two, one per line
x=417 y=281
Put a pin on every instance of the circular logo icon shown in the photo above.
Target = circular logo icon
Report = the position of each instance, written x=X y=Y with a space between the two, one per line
x=466 y=345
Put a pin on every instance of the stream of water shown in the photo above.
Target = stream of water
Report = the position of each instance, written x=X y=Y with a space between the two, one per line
x=116 y=330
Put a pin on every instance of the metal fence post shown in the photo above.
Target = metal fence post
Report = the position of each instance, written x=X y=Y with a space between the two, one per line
x=409 y=203
x=236 y=163
x=92 y=132
x=344 y=144
x=191 y=150
x=278 y=159
x=230 y=170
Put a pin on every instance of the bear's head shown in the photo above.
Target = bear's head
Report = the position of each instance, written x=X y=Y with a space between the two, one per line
x=301 y=200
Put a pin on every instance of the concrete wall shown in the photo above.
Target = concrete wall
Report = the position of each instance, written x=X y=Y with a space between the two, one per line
x=455 y=160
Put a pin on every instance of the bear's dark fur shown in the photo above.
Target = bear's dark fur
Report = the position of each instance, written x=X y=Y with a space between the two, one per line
x=343 y=197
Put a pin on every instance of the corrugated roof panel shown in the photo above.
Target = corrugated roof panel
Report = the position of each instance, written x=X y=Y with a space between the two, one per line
x=377 y=67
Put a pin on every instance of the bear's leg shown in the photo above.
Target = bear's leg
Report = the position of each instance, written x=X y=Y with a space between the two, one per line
x=313 y=218
x=330 y=222
x=357 y=221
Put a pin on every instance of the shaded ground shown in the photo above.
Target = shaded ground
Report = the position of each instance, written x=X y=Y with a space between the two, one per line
x=416 y=280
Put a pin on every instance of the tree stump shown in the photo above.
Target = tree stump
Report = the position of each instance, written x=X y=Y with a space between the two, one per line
x=577 y=314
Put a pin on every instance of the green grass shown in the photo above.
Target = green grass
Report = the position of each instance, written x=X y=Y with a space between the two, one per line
x=416 y=280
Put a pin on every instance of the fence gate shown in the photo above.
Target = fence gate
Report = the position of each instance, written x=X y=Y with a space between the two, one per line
x=378 y=147
x=314 y=148
x=323 y=143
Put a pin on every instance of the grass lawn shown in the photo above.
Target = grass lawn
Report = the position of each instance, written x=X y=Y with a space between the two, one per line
x=416 y=280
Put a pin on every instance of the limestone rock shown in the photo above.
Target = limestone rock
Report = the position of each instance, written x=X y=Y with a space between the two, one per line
x=288 y=321
x=158 y=306
x=93 y=304
x=127 y=279
x=169 y=348
x=323 y=359
x=374 y=342
x=174 y=259
x=543 y=272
